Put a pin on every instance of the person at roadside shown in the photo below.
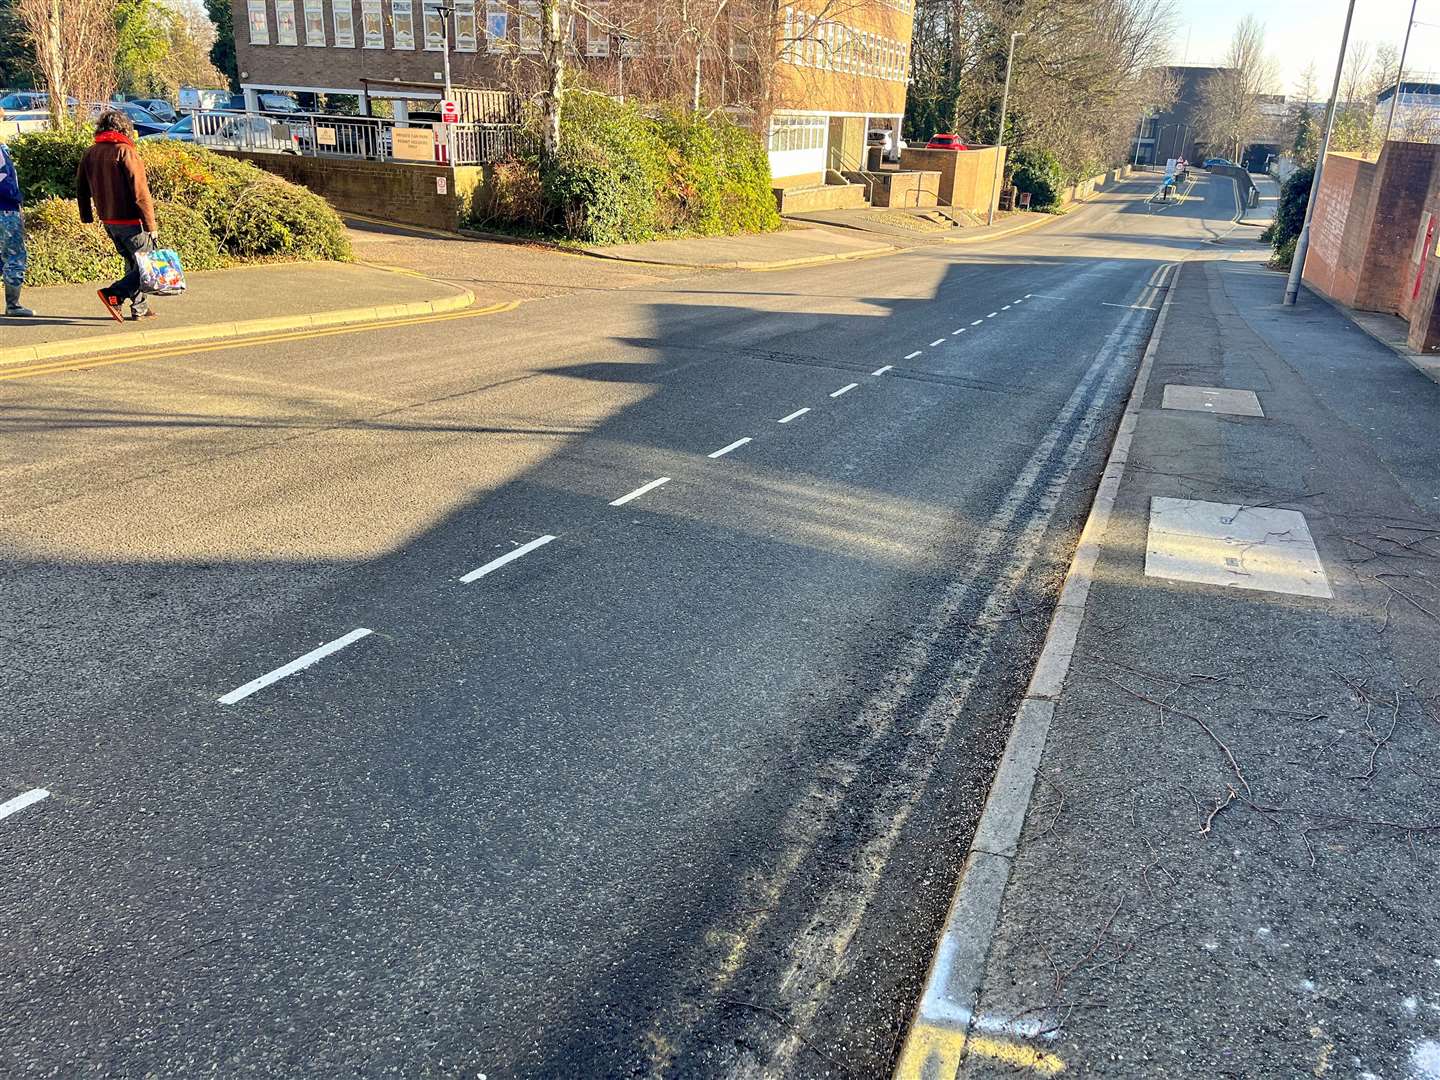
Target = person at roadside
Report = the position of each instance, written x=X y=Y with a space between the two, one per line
x=111 y=184
x=13 y=257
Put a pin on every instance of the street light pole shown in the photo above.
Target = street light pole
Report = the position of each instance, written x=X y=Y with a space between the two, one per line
x=1000 y=138
x=1302 y=245
x=1399 y=75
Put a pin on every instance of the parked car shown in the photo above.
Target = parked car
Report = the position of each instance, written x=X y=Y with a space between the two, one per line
x=1210 y=163
x=28 y=101
x=145 y=123
x=945 y=142
x=182 y=130
x=192 y=98
x=251 y=132
x=159 y=108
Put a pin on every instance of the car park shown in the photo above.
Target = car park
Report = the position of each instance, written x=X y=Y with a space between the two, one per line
x=159 y=108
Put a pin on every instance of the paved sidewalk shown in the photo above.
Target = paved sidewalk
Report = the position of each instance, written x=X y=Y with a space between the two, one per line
x=795 y=245
x=226 y=303
x=1229 y=861
x=1264 y=213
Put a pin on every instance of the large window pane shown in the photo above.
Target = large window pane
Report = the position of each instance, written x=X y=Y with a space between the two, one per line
x=315 y=23
x=402 y=23
x=372 y=20
x=465 y=31
x=497 y=24
x=285 y=29
x=259 y=23
x=344 y=19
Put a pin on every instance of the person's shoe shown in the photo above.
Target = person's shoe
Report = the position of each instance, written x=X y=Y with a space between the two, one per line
x=112 y=305
x=13 y=307
x=143 y=313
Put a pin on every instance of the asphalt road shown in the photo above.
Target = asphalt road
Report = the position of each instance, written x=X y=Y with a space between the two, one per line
x=680 y=791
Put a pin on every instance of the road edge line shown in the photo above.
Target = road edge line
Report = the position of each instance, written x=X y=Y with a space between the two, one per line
x=221 y=331
x=941 y=1027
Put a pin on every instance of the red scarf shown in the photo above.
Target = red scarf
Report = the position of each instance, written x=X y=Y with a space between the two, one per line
x=114 y=136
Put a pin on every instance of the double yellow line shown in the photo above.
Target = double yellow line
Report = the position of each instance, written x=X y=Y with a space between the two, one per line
x=79 y=363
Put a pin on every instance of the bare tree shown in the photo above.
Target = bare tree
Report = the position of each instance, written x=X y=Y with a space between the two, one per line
x=1229 y=114
x=74 y=46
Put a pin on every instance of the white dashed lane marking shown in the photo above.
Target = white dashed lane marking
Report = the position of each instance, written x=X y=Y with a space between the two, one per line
x=299 y=664
x=733 y=446
x=641 y=490
x=794 y=415
x=508 y=557
x=845 y=389
x=881 y=371
x=911 y=356
x=977 y=322
x=937 y=341
x=20 y=802
x=960 y=331
x=992 y=314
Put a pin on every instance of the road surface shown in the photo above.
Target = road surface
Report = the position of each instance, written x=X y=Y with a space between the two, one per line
x=607 y=687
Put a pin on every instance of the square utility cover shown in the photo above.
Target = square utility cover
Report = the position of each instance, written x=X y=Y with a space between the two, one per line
x=1211 y=399
x=1244 y=547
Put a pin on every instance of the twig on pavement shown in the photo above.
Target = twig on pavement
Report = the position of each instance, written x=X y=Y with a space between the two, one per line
x=1058 y=809
x=1220 y=743
x=1220 y=804
x=1377 y=742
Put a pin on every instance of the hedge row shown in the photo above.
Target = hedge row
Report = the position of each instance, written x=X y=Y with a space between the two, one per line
x=212 y=209
x=624 y=176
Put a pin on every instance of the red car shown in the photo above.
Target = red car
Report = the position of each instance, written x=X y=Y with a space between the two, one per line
x=946 y=142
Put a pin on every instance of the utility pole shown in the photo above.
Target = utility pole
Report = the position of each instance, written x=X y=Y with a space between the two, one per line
x=1302 y=246
x=1399 y=75
x=1000 y=138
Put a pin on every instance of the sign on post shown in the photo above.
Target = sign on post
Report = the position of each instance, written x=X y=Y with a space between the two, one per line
x=449 y=112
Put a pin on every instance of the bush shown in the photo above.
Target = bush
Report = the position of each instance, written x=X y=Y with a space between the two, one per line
x=244 y=212
x=1039 y=173
x=63 y=250
x=1284 y=254
x=623 y=176
x=1290 y=214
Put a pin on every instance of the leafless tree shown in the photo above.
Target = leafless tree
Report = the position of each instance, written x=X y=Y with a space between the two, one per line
x=74 y=46
x=1229 y=114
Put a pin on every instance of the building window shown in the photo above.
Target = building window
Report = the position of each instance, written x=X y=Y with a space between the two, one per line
x=372 y=23
x=433 y=21
x=497 y=24
x=344 y=21
x=465 y=29
x=259 y=23
x=529 y=26
x=797 y=133
x=285 y=30
x=315 y=23
x=597 y=31
x=402 y=24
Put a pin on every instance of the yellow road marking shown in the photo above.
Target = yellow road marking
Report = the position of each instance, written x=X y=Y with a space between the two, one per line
x=933 y=1052
x=131 y=356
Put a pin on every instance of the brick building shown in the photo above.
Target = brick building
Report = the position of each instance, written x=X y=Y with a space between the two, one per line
x=815 y=75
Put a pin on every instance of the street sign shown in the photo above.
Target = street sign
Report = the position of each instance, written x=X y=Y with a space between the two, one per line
x=450 y=112
x=412 y=144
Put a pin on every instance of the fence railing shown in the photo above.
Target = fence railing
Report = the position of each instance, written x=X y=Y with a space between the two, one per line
x=363 y=138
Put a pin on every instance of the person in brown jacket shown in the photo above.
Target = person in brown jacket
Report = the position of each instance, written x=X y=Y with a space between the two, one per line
x=111 y=184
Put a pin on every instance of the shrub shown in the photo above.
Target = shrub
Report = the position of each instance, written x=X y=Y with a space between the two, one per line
x=244 y=211
x=604 y=186
x=64 y=250
x=1284 y=254
x=1039 y=173
x=1290 y=214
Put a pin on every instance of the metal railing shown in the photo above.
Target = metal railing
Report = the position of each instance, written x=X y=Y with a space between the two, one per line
x=361 y=138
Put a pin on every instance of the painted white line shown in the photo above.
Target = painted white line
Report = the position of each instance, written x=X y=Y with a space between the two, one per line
x=845 y=389
x=959 y=331
x=20 y=802
x=992 y=314
x=937 y=341
x=733 y=446
x=1018 y=300
x=1005 y=308
x=977 y=322
x=881 y=371
x=1028 y=295
x=794 y=415
x=508 y=557
x=911 y=356
x=299 y=664
x=641 y=490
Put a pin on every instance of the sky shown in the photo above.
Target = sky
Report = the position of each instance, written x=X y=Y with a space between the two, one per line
x=1301 y=31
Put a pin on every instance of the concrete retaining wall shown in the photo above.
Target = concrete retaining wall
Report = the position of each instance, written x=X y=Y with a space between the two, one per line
x=802 y=200
x=965 y=178
x=906 y=189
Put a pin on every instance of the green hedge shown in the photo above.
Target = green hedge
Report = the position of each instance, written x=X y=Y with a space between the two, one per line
x=624 y=176
x=1039 y=173
x=211 y=208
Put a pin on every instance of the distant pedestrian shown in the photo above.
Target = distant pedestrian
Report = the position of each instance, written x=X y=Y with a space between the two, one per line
x=13 y=257
x=111 y=184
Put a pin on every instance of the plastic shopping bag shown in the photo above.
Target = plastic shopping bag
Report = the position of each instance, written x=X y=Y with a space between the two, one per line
x=160 y=272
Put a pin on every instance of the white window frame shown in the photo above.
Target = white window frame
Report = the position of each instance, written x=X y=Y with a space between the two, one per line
x=497 y=25
x=465 y=13
x=287 y=32
x=342 y=18
x=597 y=30
x=372 y=23
x=258 y=16
x=529 y=31
x=402 y=24
x=431 y=17
x=314 y=10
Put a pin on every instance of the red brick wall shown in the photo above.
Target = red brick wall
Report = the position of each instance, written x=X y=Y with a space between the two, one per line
x=1342 y=215
x=1423 y=312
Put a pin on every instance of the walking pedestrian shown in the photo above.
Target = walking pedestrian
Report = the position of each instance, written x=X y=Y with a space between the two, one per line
x=111 y=184
x=13 y=257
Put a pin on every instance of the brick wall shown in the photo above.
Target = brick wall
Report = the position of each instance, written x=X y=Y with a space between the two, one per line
x=1423 y=310
x=1363 y=235
x=966 y=177
x=405 y=194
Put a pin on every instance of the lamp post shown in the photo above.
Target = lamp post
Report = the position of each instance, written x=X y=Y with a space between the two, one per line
x=1302 y=245
x=1000 y=138
x=1399 y=75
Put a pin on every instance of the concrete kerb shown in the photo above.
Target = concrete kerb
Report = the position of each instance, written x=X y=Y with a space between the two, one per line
x=944 y=1028
x=179 y=335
